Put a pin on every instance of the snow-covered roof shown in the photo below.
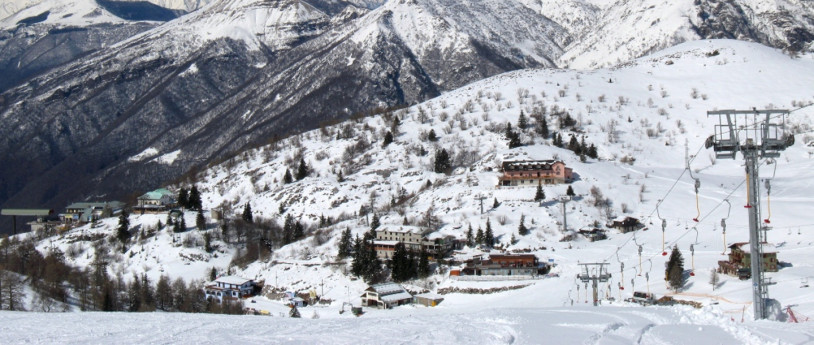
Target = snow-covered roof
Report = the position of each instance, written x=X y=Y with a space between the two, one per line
x=232 y=280
x=396 y=297
x=401 y=229
x=386 y=243
x=388 y=288
x=744 y=247
x=430 y=295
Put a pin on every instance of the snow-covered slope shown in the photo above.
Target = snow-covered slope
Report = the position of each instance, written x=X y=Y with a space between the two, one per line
x=628 y=29
x=416 y=325
x=646 y=109
x=67 y=13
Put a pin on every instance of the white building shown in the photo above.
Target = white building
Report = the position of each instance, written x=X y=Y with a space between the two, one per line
x=386 y=295
x=230 y=288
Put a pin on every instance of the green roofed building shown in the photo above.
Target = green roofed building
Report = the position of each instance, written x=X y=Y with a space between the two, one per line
x=156 y=201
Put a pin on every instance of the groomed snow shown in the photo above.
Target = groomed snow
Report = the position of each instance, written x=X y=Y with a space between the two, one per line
x=406 y=325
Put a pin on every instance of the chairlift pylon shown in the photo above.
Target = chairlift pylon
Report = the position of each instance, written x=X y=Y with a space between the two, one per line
x=663 y=228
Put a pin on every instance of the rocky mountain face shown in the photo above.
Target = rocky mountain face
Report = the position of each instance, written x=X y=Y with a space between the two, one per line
x=160 y=99
x=238 y=73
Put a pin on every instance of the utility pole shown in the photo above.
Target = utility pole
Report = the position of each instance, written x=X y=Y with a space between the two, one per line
x=755 y=134
x=481 y=197
x=600 y=275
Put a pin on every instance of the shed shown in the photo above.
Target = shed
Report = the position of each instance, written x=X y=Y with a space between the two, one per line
x=428 y=299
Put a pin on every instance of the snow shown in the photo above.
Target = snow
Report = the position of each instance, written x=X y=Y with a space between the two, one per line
x=168 y=158
x=234 y=280
x=62 y=12
x=632 y=98
x=418 y=325
x=634 y=90
x=147 y=153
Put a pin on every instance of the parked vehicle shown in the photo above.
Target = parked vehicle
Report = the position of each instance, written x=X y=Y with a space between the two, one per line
x=643 y=298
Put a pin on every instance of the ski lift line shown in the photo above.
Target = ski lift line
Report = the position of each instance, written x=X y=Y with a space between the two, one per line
x=672 y=187
x=726 y=199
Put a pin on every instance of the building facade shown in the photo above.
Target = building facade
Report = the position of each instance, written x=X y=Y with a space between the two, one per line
x=156 y=201
x=85 y=212
x=530 y=173
x=741 y=258
x=413 y=239
x=229 y=288
x=386 y=295
x=504 y=265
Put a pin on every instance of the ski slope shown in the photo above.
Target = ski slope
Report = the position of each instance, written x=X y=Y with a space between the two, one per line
x=651 y=106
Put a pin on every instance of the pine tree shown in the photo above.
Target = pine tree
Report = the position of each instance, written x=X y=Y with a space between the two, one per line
x=522 y=123
x=183 y=198
x=539 y=195
x=479 y=238
x=399 y=264
x=431 y=136
x=287 y=177
x=522 y=229
x=302 y=170
x=675 y=270
x=374 y=223
x=514 y=239
x=570 y=191
x=495 y=204
x=208 y=242
x=169 y=218
x=345 y=245
x=359 y=253
x=470 y=240
x=288 y=229
x=123 y=230
x=373 y=267
x=183 y=224
x=573 y=144
x=442 y=164
x=423 y=264
x=195 y=199
x=592 y=152
x=488 y=236
x=512 y=137
x=388 y=139
x=299 y=231
x=200 y=221
x=542 y=127
x=247 y=215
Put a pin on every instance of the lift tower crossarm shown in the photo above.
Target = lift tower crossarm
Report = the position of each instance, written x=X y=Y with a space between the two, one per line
x=598 y=275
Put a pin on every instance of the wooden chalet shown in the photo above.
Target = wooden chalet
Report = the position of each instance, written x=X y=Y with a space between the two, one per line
x=740 y=258
x=593 y=234
x=626 y=224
